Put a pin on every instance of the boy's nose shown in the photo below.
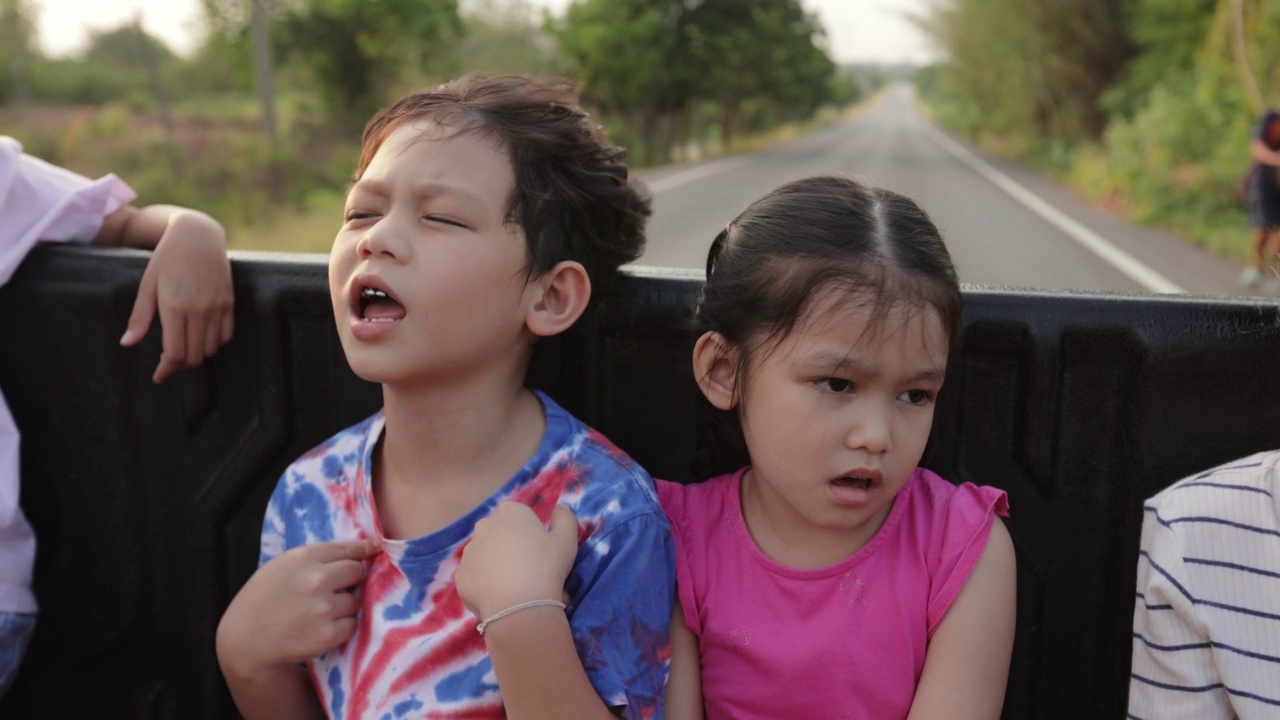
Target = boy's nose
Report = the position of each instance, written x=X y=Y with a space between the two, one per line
x=376 y=240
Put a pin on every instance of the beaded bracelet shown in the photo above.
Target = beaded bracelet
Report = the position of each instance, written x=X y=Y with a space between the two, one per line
x=517 y=608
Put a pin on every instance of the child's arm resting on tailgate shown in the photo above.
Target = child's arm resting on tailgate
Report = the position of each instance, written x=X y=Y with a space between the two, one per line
x=187 y=281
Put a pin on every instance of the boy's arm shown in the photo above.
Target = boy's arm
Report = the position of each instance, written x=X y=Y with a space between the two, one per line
x=967 y=663
x=684 y=687
x=188 y=281
x=538 y=669
x=294 y=607
x=285 y=693
x=512 y=559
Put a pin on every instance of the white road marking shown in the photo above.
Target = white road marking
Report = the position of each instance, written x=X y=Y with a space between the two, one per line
x=1137 y=270
x=684 y=177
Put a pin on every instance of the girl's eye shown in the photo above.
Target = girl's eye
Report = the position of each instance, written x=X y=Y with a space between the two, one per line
x=917 y=397
x=835 y=385
x=353 y=215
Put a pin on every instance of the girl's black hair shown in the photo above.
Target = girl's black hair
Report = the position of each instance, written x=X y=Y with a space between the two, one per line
x=804 y=240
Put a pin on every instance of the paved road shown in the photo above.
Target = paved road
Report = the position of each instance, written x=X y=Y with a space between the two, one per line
x=1004 y=224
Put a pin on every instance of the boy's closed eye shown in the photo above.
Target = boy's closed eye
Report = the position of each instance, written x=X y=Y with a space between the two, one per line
x=357 y=215
x=444 y=220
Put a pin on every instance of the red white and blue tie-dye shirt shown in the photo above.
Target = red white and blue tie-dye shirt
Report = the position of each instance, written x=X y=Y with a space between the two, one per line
x=416 y=652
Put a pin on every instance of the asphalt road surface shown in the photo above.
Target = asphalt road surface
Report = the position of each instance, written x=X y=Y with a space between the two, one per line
x=1004 y=224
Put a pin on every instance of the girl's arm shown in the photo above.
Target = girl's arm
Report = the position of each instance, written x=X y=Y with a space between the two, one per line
x=684 y=687
x=967 y=664
x=187 y=281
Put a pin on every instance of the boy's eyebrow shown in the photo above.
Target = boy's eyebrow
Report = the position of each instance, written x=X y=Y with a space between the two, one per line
x=426 y=188
x=836 y=361
x=437 y=189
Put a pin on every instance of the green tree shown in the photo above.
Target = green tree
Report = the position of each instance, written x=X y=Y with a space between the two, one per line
x=359 y=49
x=355 y=51
x=506 y=36
x=1167 y=34
x=766 y=51
x=16 y=48
x=625 y=56
x=651 y=63
x=1036 y=67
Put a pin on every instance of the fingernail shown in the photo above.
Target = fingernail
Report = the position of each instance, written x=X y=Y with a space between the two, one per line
x=127 y=337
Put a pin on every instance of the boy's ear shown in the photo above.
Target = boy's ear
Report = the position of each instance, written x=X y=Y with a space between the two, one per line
x=560 y=297
x=715 y=367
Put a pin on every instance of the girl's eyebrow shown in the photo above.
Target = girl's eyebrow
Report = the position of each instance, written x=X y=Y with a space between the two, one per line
x=830 y=361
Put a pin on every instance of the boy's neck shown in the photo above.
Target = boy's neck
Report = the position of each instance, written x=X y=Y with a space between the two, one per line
x=445 y=450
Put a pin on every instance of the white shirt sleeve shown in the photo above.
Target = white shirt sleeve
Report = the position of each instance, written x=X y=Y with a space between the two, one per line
x=40 y=202
x=1173 y=674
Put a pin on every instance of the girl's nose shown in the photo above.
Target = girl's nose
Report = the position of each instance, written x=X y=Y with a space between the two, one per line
x=871 y=428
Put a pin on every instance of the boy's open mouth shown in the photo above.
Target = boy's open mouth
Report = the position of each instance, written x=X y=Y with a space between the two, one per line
x=377 y=306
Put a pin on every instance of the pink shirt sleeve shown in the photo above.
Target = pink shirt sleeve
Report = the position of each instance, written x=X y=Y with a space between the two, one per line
x=40 y=203
x=963 y=519
x=672 y=497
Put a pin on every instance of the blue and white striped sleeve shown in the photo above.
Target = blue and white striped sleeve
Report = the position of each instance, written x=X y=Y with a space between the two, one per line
x=1173 y=675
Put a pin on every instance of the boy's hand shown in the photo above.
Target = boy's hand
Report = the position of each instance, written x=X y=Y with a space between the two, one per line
x=189 y=281
x=295 y=607
x=512 y=558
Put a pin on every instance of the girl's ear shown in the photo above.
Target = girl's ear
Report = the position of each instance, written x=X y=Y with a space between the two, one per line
x=715 y=367
x=560 y=296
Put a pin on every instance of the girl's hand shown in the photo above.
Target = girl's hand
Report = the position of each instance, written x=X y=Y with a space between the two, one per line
x=512 y=559
x=297 y=606
x=188 y=280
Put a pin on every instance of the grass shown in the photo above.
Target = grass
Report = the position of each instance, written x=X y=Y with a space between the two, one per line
x=307 y=229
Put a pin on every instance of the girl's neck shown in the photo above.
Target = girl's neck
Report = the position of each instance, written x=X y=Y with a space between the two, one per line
x=788 y=539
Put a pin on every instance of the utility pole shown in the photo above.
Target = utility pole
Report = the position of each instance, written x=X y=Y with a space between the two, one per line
x=263 y=65
x=157 y=91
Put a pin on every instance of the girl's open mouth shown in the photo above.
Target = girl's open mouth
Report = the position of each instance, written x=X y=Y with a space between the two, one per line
x=859 y=483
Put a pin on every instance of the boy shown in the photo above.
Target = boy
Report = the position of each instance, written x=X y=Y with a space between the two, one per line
x=481 y=214
x=187 y=282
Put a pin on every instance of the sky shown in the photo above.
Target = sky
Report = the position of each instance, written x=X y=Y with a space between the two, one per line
x=857 y=30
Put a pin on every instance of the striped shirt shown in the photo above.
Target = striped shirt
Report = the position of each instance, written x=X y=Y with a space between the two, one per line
x=1206 y=626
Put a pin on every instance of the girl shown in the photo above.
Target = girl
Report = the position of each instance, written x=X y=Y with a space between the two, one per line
x=832 y=577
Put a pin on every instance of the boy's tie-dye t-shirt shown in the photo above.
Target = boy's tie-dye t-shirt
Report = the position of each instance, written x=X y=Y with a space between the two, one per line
x=416 y=652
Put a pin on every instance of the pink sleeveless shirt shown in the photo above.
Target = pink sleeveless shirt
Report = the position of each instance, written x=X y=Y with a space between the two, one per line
x=844 y=641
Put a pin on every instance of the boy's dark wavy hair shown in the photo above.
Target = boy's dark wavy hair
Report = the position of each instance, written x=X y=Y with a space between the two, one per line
x=798 y=244
x=571 y=196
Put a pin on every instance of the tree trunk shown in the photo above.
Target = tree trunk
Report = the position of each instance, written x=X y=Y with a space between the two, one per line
x=1250 y=81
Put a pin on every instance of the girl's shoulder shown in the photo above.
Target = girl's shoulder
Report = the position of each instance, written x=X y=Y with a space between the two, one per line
x=933 y=495
x=680 y=500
